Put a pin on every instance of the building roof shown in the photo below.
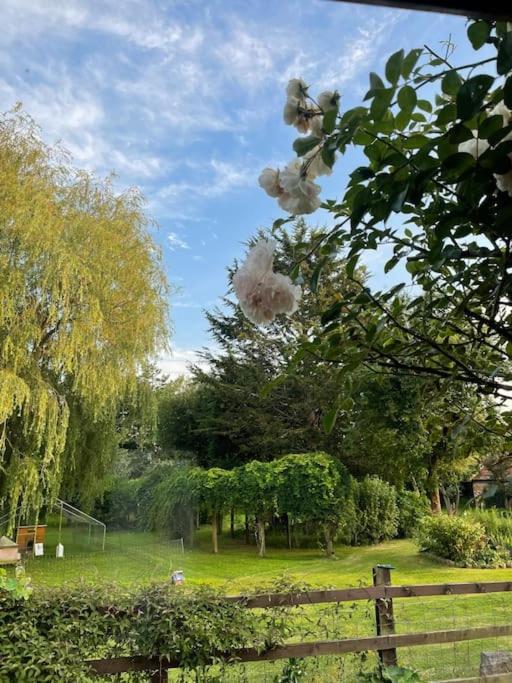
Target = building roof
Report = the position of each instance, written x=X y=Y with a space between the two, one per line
x=7 y=543
x=485 y=474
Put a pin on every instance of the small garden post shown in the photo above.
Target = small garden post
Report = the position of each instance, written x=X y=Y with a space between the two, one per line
x=384 y=618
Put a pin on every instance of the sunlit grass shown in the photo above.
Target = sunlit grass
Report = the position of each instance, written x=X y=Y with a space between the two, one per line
x=139 y=558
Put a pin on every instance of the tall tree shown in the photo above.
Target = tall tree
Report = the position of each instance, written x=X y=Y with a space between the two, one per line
x=82 y=309
x=250 y=406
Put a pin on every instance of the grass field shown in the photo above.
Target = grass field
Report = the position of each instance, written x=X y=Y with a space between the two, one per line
x=135 y=558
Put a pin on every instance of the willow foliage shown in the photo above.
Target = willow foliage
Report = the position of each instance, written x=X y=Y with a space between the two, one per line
x=82 y=307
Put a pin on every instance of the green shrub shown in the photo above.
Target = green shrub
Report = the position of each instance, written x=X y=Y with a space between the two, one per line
x=412 y=507
x=460 y=539
x=50 y=635
x=376 y=511
x=497 y=524
x=119 y=507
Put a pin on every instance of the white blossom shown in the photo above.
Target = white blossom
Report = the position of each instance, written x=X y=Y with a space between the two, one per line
x=263 y=294
x=297 y=88
x=504 y=182
x=501 y=108
x=269 y=181
x=315 y=164
x=300 y=193
x=299 y=113
x=328 y=100
x=476 y=147
x=316 y=126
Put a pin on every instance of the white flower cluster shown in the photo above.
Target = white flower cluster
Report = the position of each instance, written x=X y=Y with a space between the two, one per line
x=262 y=293
x=476 y=147
x=293 y=187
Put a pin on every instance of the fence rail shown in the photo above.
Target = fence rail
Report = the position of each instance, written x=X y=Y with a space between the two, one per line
x=386 y=642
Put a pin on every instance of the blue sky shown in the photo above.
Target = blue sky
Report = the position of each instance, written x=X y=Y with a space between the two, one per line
x=184 y=100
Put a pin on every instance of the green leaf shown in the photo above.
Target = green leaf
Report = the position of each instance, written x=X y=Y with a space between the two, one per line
x=399 y=199
x=407 y=98
x=316 y=276
x=376 y=81
x=457 y=164
x=329 y=419
x=425 y=105
x=489 y=126
x=471 y=95
x=402 y=119
x=451 y=83
x=361 y=173
x=459 y=133
x=478 y=33
x=331 y=313
x=329 y=121
x=507 y=92
x=302 y=146
x=415 y=141
x=394 y=67
x=446 y=115
x=504 y=62
x=281 y=221
x=328 y=156
x=410 y=62
x=351 y=265
x=381 y=102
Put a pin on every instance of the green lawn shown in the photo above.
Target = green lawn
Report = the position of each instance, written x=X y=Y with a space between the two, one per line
x=136 y=557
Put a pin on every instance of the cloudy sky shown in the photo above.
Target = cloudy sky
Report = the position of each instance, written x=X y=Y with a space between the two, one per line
x=184 y=99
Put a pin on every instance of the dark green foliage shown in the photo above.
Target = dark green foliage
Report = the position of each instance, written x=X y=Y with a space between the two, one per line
x=48 y=636
x=119 y=508
x=376 y=511
x=412 y=507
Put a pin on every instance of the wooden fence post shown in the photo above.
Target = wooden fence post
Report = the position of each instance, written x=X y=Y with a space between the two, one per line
x=384 y=619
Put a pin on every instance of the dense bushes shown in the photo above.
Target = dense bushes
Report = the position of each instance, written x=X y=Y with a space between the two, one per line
x=376 y=511
x=461 y=539
x=412 y=507
x=48 y=636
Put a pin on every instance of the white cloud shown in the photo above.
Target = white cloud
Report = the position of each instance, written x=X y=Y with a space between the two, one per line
x=176 y=242
x=178 y=362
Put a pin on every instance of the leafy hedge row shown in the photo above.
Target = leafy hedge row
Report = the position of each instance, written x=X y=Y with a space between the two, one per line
x=49 y=636
x=312 y=490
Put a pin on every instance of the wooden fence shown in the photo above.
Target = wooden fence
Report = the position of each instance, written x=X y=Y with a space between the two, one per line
x=385 y=642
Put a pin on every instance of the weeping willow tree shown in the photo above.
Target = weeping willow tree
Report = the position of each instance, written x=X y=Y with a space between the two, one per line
x=82 y=310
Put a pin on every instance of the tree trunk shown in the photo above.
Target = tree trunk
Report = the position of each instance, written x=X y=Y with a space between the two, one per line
x=247 y=530
x=288 y=531
x=232 y=522
x=329 y=545
x=435 y=500
x=215 y=527
x=198 y=520
x=261 y=537
x=220 y=522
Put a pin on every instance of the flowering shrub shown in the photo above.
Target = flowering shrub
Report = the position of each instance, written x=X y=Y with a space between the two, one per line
x=435 y=188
